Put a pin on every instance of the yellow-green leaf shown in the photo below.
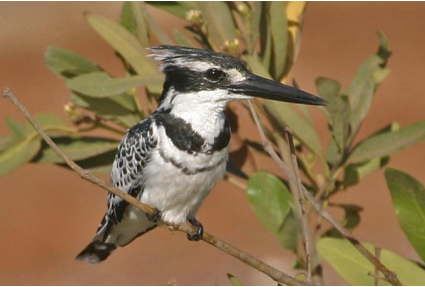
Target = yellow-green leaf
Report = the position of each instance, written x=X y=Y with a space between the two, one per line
x=353 y=173
x=353 y=267
x=385 y=144
x=19 y=153
x=120 y=109
x=257 y=7
x=77 y=149
x=15 y=127
x=100 y=84
x=52 y=124
x=4 y=142
x=368 y=77
x=68 y=64
x=181 y=39
x=234 y=281
x=177 y=8
x=295 y=14
x=279 y=33
x=221 y=27
x=156 y=29
x=265 y=35
x=285 y=115
x=125 y=44
x=132 y=19
x=408 y=196
x=256 y=66
x=338 y=108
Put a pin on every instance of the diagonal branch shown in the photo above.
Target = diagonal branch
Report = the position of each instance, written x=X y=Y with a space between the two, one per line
x=389 y=275
x=210 y=239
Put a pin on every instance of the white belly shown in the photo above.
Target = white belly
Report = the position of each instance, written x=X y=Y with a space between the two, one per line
x=176 y=194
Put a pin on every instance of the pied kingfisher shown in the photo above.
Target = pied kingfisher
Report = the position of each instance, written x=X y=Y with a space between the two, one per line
x=172 y=159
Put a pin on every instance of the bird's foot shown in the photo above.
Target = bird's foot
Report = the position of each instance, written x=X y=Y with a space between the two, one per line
x=199 y=230
x=155 y=216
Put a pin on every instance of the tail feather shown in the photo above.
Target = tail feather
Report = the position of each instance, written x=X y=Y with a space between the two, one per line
x=96 y=252
x=111 y=235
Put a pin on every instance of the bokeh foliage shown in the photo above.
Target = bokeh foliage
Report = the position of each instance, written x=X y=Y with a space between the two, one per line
x=267 y=37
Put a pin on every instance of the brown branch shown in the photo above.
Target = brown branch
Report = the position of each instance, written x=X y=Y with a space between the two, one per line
x=378 y=255
x=300 y=202
x=210 y=239
x=389 y=275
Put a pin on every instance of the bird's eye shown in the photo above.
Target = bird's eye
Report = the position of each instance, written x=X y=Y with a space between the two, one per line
x=214 y=74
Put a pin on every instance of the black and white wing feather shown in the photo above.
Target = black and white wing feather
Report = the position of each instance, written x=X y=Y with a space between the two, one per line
x=123 y=223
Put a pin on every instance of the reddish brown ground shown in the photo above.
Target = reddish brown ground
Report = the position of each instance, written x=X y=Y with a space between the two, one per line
x=47 y=214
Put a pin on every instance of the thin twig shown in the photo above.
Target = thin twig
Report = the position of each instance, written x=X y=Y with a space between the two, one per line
x=389 y=275
x=300 y=201
x=236 y=182
x=378 y=255
x=210 y=239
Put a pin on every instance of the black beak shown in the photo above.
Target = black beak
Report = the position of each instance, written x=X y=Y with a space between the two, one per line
x=264 y=88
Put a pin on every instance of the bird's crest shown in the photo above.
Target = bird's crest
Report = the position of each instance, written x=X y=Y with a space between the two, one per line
x=195 y=59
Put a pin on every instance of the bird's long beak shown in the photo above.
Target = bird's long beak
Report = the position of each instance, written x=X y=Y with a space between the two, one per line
x=264 y=88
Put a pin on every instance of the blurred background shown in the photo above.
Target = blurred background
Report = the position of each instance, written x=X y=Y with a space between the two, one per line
x=48 y=214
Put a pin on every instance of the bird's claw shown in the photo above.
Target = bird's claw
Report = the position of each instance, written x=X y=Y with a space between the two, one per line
x=198 y=234
x=155 y=216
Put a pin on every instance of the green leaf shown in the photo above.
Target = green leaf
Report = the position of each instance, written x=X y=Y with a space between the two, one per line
x=181 y=39
x=256 y=66
x=120 y=109
x=279 y=33
x=257 y=7
x=368 y=77
x=338 y=108
x=353 y=267
x=101 y=164
x=19 y=153
x=270 y=200
x=221 y=27
x=177 y=8
x=234 y=281
x=26 y=143
x=285 y=115
x=101 y=85
x=265 y=35
x=132 y=19
x=127 y=19
x=289 y=232
x=125 y=44
x=4 y=142
x=333 y=152
x=16 y=128
x=68 y=64
x=351 y=219
x=353 y=173
x=387 y=143
x=78 y=148
x=408 y=196
x=156 y=29
x=52 y=124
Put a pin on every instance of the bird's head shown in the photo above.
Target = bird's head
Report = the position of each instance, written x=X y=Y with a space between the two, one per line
x=216 y=77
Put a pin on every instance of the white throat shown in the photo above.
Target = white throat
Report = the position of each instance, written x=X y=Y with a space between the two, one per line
x=203 y=110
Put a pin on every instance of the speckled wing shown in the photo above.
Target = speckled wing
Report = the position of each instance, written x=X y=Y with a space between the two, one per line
x=116 y=228
x=127 y=171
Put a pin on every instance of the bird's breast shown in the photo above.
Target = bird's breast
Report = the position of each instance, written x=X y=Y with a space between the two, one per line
x=177 y=181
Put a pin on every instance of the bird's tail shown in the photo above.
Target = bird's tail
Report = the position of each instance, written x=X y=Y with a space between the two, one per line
x=96 y=251
x=111 y=235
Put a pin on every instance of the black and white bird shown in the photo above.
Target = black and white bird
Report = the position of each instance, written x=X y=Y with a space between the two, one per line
x=172 y=159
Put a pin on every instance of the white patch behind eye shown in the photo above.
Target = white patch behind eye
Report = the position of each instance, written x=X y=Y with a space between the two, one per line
x=235 y=75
